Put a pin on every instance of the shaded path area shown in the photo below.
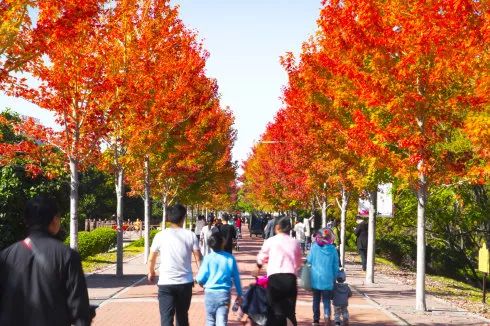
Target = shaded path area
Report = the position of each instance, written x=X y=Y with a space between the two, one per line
x=132 y=301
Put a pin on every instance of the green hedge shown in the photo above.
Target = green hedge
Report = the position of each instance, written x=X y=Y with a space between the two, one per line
x=94 y=242
x=141 y=242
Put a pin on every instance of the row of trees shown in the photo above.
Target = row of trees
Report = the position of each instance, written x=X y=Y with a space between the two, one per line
x=385 y=91
x=126 y=82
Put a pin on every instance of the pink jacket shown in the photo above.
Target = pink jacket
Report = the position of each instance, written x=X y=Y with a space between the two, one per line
x=282 y=255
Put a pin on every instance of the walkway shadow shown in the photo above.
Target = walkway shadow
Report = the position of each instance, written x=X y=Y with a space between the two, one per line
x=106 y=281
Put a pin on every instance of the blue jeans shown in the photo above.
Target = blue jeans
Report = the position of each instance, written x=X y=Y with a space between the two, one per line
x=326 y=296
x=217 y=305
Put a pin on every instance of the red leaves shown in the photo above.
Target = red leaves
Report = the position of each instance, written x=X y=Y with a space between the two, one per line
x=385 y=86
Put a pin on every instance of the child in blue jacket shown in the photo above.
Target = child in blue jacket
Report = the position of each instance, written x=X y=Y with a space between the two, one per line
x=324 y=261
x=218 y=270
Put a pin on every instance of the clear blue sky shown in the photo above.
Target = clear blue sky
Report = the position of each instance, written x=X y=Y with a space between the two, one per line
x=245 y=39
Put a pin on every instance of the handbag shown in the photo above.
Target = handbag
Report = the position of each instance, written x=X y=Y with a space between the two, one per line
x=305 y=277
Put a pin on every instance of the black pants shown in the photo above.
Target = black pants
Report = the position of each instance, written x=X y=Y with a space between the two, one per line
x=363 y=254
x=281 y=294
x=174 y=300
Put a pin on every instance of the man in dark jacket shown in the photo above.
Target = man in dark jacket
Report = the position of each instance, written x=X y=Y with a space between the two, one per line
x=41 y=279
x=361 y=232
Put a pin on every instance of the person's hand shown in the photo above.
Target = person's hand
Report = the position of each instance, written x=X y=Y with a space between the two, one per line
x=151 y=277
x=256 y=272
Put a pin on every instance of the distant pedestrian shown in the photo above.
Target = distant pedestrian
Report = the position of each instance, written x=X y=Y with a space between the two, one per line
x=175 y=246
x=219 y=270
x=41 y=279
x=361 y=232
x=269 y=230
x=204 y=236
x=324 y=262
x=228 y=232
x=308 y=222
x=283 y=257
x=341 y=295
x=238 y=224
x=200 y=223
x=299 y=230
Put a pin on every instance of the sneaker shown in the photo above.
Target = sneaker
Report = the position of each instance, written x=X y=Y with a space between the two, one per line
x=315 y=323
x=337 y=323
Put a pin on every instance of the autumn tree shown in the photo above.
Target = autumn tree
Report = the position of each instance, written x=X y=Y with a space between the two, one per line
x=415 y=65
x=70 y=77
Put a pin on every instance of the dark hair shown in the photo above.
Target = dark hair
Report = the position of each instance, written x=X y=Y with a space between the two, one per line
x=200 y=217
x=215 y=241
x=284 y=224
x=176 y=213
x=40 y=211
x=226 y=217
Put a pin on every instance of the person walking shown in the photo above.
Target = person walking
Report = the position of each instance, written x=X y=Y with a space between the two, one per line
x=175 y=246
x=204 y=236
x=283 y=257
x=307 y=223
x=269 y=227
x=218 y=271
x=200 y=223
x=324 y=262
x=341 y=295
x=228 y=232
x=238 y=224
x=361 y=232
x=299 y=230
x=41 y=279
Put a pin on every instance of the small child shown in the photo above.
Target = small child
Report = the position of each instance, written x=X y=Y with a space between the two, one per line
x=341 y=294
x=218 y=270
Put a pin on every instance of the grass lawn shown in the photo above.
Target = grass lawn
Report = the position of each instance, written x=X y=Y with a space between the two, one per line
x=463 y=295
x=99 y=261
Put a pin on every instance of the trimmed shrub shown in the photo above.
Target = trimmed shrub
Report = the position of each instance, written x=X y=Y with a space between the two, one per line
x=141 y=242
x=95 y=242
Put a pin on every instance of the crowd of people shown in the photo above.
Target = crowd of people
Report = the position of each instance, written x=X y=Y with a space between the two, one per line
x=42 y=281
x=218 y=271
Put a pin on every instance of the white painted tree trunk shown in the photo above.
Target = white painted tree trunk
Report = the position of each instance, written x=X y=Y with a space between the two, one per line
x=164 y=211
x=120 y=220
x=371 y=249
x=147 y=209
x=324 y=211
x=74 y=183
x=343 y=215
x=420 y=304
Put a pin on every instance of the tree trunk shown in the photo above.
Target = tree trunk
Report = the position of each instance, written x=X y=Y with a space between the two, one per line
x=147 y=208
x=120 y=219
x=420 y=304
x=324 y=211
x=371 y=249
x=74 y=183
x=343 y=214
x=164 y=211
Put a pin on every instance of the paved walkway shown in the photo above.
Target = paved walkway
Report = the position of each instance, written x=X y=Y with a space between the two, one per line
x=132 y=301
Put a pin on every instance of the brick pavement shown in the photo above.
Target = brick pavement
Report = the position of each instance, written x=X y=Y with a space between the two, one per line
x=380 y=304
